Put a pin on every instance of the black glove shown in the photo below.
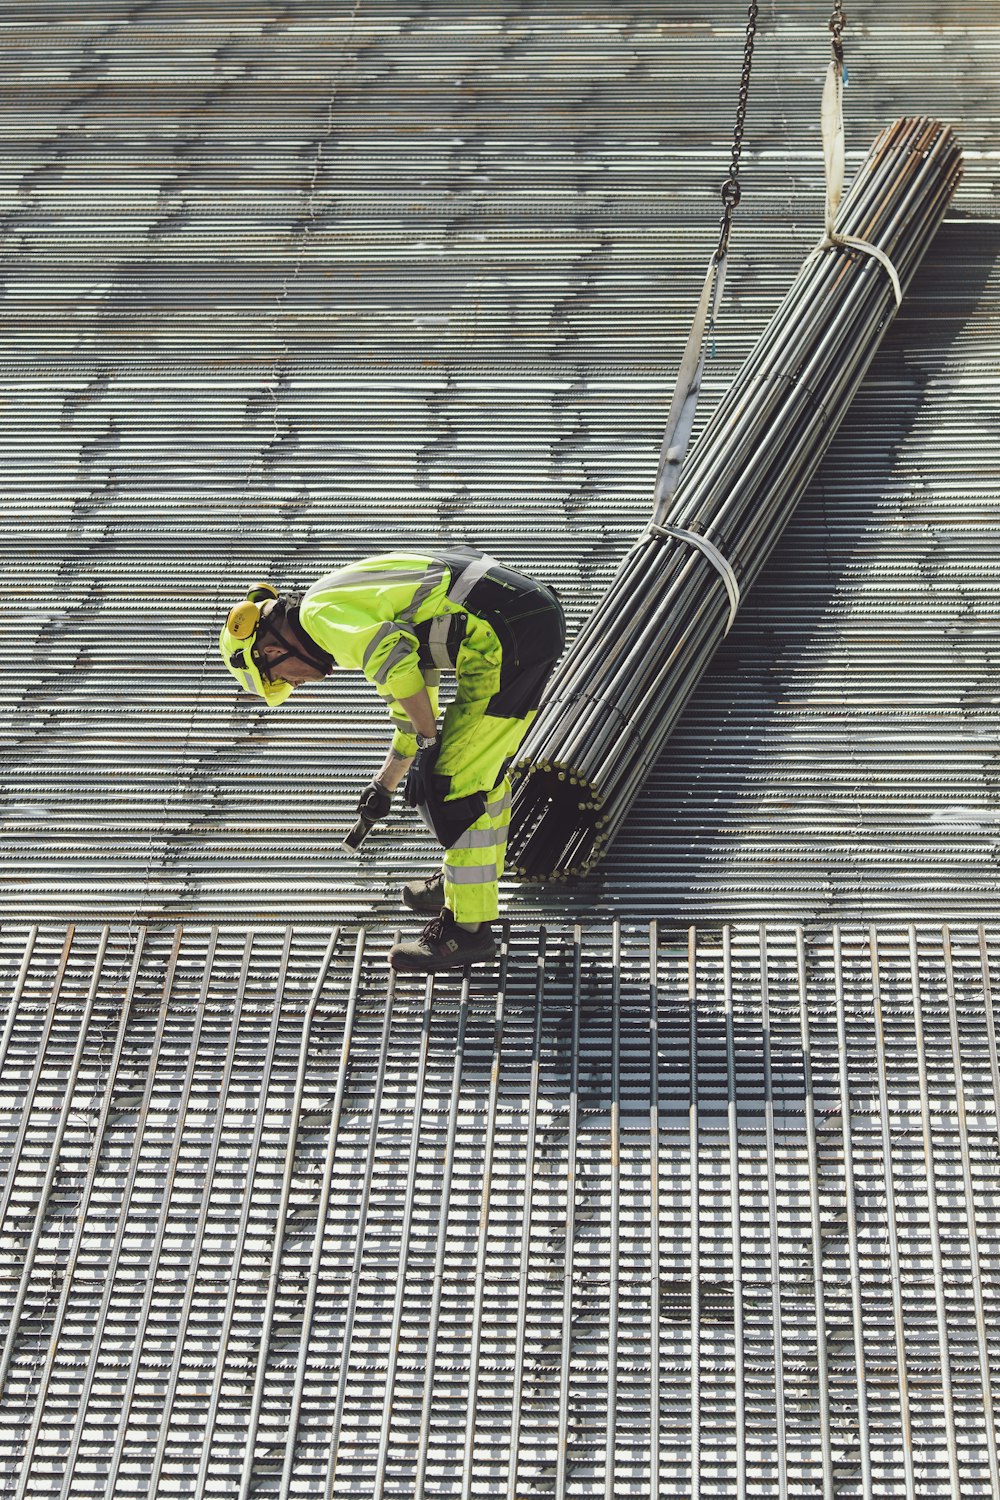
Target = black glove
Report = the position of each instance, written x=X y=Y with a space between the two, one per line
x=374 y=803
x=418 y=789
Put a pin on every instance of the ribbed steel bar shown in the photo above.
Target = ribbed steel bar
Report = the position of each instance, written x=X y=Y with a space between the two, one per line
x=257 y=1397
x=622 y=686
x=695 y=1226
x=27 y=1106
x=211 y=1160
x=15 y=997
x=864 y=1439
x=614 y=1150
x=944 y=1354
x=361 y=1228
x=243 y=1219
x=475 y=1333
x=736 y=1233
x=133 y=1377
x=322 y=1210
x=774 y=1249
x=975 y=1264
x=815 y=1221
x=895 y=1275
x=654 y=1209
x=58 y=1321
x=42 y=1206
x=113 y=1259
x=566 y=1351
x=991 y=1030
x=527 y=1208
x=404 y=1238
x=437 y=1285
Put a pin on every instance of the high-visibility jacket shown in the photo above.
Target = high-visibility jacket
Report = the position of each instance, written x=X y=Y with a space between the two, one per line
x=402 y=617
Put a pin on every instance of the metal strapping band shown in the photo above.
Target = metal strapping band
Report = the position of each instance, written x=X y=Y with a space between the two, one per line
x=719 y=563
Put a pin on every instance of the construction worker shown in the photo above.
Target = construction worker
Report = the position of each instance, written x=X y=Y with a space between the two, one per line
x=402 y=618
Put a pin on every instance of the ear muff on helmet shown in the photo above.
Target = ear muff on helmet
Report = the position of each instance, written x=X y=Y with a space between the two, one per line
x=245 y=618
x=236 y=641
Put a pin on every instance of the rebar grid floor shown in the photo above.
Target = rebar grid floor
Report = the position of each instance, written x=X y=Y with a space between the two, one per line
x=632 y=1211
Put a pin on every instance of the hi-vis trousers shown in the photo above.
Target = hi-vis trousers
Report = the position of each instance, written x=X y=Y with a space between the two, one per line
x=498 y=693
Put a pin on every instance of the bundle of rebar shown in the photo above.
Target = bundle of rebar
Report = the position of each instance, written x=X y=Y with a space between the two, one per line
x=620 y=690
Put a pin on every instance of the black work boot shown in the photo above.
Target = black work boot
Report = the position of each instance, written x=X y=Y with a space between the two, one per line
x=425 y=895
x=444 y=945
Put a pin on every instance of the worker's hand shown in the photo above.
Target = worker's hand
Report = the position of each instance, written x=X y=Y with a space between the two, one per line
x=374 y=803
x=417 y=792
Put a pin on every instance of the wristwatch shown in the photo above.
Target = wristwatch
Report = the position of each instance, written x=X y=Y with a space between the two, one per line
x=425 y=741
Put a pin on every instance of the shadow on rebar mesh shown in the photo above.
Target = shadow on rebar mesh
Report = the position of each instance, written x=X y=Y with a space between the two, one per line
x=717 y=1051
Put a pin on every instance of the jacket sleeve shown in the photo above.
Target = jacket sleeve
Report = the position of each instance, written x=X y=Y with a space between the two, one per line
x=404 y=739
x=356 y=638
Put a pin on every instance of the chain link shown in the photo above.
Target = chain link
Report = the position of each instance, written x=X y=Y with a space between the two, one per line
x=731 y=192
x=837 y=23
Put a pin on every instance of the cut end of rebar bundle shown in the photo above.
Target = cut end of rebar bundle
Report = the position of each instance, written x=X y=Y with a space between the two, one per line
x=555 y=824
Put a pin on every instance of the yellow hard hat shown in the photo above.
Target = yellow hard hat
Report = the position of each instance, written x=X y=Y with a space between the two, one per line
x=236 y=643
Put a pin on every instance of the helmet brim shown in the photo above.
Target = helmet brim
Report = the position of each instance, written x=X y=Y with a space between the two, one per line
x=243 y=669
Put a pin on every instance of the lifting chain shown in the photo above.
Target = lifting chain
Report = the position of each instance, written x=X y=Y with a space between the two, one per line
x=837 y=23
x=731 y=186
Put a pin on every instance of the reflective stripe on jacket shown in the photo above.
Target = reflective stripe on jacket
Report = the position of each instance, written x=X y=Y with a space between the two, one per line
x=367 y=615
x=399 y=618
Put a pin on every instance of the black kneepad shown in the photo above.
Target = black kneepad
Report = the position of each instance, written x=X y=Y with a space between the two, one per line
x=451 y=819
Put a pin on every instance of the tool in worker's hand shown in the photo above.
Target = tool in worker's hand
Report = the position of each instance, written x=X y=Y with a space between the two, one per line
x=373 y=805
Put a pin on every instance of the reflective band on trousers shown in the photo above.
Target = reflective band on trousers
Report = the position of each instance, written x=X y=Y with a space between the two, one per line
x=499 y=804
x=480 y=838
x=471 y=874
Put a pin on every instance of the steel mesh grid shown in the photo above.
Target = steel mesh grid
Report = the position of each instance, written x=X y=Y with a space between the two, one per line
x=199 y=1216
